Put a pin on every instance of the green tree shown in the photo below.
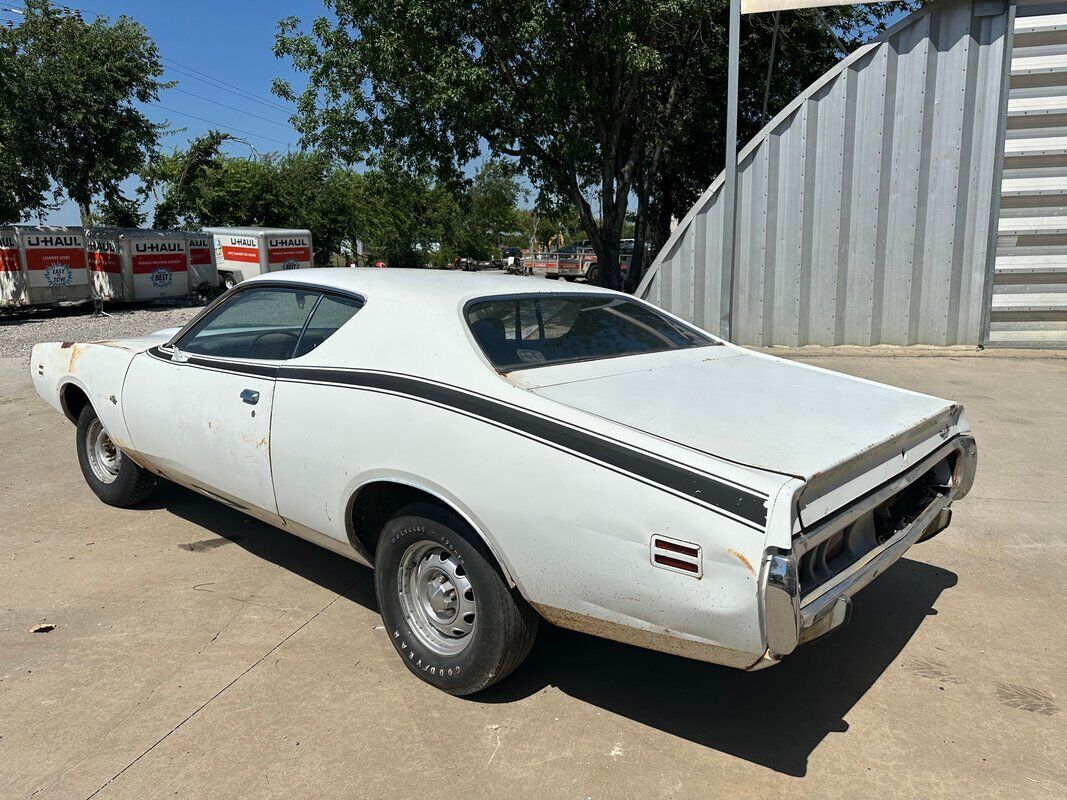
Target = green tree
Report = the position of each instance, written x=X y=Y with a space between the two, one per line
x=176 y=180
x=75 y=85
x=485 y=211
x=584 y=95
x=119 y=211
x=24 y=181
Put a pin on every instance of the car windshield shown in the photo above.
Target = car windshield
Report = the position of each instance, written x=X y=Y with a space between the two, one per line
x=538 y=330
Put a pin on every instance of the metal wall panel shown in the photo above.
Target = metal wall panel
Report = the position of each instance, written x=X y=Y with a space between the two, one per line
x=864 y=208
x=1029 y=303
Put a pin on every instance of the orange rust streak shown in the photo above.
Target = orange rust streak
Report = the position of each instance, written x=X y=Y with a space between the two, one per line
x=742 y=559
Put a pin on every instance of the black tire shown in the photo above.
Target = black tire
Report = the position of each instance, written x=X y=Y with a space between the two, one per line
x=228 y=281
x=130 y=485
x=504 y=627
x=592 y=275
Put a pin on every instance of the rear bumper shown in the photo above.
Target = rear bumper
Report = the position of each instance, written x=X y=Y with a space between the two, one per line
x=790 y=619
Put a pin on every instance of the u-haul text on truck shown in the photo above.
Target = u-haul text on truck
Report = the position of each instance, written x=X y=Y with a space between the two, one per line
x=242 y=253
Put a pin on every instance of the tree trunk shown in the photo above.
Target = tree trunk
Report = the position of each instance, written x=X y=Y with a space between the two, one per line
x=663 y=212
x=637 y=259
x=86 y=213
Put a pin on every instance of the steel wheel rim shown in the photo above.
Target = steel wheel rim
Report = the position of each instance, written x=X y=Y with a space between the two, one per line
x=104 y=458
x=437 y=598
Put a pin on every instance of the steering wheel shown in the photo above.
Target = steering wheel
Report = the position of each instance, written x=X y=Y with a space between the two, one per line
x=257 y=337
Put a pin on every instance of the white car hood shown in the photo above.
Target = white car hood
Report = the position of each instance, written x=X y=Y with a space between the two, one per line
x=763 y=412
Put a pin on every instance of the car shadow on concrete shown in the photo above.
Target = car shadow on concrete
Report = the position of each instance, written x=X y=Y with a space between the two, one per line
x=775 y=717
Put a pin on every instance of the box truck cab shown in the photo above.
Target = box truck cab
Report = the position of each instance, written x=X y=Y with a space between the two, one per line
x=243 y=253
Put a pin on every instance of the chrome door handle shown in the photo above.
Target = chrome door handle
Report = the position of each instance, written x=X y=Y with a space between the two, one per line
x=250 y=396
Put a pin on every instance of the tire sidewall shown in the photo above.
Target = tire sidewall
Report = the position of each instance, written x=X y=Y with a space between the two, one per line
x=120 y=491
x=473 y=667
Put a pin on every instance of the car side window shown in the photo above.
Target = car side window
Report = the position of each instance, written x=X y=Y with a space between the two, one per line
x=329 y=315
x=257 y=323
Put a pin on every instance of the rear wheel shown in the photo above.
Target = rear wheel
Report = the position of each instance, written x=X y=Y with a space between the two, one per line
x=449 y=613
x=111 y=475
x=592 y=275
x=228 y=281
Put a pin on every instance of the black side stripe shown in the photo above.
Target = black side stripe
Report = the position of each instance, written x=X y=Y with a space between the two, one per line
x=705 y=489
x=745 y=505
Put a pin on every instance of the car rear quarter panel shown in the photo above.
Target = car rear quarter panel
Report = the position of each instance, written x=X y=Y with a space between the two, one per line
x=571 y=534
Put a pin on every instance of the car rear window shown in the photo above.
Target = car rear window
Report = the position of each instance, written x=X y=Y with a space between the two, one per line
x=533 y=331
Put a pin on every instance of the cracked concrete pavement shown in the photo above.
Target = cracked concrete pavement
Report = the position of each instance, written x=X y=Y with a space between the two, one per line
x=199 y=653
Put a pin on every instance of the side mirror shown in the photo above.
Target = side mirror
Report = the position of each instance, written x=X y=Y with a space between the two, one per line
x=175 y=354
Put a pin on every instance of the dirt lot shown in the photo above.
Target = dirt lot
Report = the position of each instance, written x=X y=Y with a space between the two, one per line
x=198 y=653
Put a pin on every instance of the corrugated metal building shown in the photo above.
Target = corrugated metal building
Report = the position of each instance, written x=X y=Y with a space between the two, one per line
x=868 y=209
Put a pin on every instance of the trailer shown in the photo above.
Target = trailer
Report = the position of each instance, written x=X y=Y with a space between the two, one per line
x=203 y=271
x=41 y=265
x=243 y=253
x=130 y=265
x=12 y=276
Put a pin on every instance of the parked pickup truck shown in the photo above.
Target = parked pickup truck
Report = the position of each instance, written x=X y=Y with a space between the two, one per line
x=719 y=504
x=578 y=261
x=570 y=263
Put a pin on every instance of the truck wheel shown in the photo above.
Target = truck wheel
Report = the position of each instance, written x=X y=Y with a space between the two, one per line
x=111 y=475
x=228 y=281
x=448 y=611
x=593 y=275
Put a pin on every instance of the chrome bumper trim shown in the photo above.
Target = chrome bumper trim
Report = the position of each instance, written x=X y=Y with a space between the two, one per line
x=870 y=566
x=962 y=480
x=789 y=620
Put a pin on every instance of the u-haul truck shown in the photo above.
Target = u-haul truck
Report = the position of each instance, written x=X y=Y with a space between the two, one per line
x=40 y=265
x=134 y=265
x=242 y=253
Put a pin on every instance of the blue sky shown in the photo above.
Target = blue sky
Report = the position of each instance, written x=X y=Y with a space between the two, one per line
x=218 y=50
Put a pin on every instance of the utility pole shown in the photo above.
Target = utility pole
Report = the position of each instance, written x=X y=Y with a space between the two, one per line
x=729 y=197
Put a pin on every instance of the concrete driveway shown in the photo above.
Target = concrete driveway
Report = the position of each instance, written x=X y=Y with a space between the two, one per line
x=198 y=653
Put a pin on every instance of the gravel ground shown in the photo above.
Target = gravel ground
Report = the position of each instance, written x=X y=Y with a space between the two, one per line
x=19 y=332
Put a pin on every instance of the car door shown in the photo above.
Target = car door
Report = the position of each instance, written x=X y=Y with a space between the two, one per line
x=200 y=408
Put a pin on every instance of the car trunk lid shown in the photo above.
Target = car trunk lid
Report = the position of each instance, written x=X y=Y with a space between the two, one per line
x=842 y=435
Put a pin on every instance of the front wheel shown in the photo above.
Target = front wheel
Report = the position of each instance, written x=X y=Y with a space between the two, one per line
x=454 y=621
x=111 y=475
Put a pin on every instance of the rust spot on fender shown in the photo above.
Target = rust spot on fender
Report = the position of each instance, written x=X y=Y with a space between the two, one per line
x=263 y=442
x=75 y=351
x=742 y=559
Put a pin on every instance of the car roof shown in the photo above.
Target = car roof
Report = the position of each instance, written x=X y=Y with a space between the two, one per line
x=438 y=285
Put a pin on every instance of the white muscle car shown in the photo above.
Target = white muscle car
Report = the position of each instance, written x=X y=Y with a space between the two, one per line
x=501 y=450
